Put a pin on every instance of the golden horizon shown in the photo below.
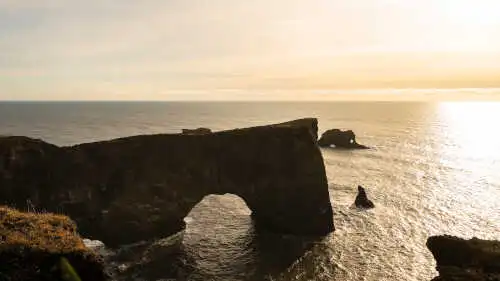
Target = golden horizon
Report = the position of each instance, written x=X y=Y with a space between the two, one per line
x=67 y=50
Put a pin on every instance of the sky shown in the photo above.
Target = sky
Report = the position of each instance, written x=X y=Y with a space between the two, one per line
x=259 y=49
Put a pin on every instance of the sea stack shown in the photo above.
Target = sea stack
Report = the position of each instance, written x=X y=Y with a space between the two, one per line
x=362 y=200
x=340 y=139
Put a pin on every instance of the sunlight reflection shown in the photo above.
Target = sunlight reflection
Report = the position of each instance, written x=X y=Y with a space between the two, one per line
x=471 y=128
x=469 y=164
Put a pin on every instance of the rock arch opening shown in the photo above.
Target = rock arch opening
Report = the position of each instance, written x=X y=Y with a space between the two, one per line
x=217 y=211
x=218 y=235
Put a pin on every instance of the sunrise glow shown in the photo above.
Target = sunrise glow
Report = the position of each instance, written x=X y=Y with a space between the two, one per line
x=94 y=49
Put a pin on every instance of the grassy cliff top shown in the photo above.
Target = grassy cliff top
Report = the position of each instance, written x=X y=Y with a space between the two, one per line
x=45 y=232
x=37 y=246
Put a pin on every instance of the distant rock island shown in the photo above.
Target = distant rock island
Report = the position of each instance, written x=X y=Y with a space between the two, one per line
x=141 y=187
x=340 y=139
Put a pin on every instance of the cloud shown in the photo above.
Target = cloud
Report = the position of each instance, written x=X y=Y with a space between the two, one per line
x=14 y=5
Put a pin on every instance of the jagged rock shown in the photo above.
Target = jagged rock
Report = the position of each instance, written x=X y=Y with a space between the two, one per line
x=465 y=260
x=362 y=200
x=340 y=139
x=32 y=245
x=140 y=188
x=198 y=131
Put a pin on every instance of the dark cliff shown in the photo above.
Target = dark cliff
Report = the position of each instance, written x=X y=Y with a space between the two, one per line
x=310 y=123
x=141 y=187
x=465 y=260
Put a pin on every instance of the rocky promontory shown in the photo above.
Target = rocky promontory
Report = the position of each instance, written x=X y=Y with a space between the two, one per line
x=140 y=188
x=44 y=247
x=465 y=260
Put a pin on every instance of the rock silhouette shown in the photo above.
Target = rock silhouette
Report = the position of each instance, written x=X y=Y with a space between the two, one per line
x=197 y=131
x=362 y=200
x=310 y=123
x=465 y=260
x=141 y=187
x=340 y=139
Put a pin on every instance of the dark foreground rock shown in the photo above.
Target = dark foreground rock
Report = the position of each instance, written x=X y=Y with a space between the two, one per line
x=197 y=131
x=340 y=139
x=465 y=260
x=32 y=247
x=362 y=200
x=141 y=188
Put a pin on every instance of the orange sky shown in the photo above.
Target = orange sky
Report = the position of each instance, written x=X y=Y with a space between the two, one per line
x=68 y=49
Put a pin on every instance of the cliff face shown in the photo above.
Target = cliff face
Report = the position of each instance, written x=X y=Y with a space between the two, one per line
x=141 y=187
x=33 y=246
x=465 y=260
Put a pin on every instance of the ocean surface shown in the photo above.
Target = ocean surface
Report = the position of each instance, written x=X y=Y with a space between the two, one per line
x=434 y=169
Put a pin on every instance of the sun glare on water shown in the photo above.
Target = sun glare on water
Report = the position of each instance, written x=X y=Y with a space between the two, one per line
x=470 y=155
x=472 y=128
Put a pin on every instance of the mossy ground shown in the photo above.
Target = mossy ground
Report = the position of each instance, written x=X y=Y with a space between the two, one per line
x=43 y=232
x=32 y=245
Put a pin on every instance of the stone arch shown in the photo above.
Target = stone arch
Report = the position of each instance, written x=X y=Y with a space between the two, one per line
x=222 y=202
x=139 y=188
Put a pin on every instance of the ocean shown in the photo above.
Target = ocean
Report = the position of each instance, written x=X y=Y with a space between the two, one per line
x=434 y=169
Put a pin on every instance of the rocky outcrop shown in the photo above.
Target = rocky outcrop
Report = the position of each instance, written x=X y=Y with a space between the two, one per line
x=310 y=123
x=465 y=260
x=44 y=247
x=140 y=188
x=198 y=131
x=362 y=200
x=340 y=139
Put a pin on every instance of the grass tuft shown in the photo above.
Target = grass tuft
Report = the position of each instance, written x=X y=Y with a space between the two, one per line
x=42 y=231
x=44 y=246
